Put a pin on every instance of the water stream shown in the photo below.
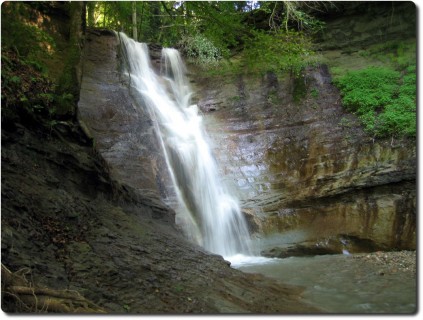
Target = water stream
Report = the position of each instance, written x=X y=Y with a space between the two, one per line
x=210 y=215
x=340 y=283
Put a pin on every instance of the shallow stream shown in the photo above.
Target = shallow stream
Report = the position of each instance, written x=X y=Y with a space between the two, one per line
x=340 y=283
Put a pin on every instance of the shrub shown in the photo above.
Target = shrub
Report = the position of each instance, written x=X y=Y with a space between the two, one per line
x=383 y=99
x=278 y=51
x=22 y=85
x=23 y=36
x=200 y=50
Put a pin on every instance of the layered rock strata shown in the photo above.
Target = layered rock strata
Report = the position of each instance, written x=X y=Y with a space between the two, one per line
x=300 y=162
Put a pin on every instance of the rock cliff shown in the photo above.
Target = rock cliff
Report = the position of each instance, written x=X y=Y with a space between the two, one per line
x=302 y=165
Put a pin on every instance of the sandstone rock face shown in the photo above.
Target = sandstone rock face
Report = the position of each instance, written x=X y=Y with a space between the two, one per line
x=300 y=162
x=122 y=130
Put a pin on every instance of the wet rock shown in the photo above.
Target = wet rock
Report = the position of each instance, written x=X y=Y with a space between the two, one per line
x=285 y=153
x=253 y=221
x=297 y=251
x=340 y=244
x=124 y=136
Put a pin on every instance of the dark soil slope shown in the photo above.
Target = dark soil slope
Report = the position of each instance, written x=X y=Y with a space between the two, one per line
x=64 y=219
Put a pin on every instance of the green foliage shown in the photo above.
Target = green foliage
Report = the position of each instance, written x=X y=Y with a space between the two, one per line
x=368 y=88
x=27 y=49
x=383 y=99
x=219 y=22
x=200 y=50
x=178 y=288
x=300 y=89
x=314 y=93
x=24 y=87
x=22 y=35
x=284 y=13
x=398 y=54
x=126 y=307
x=273 y=97
x=278 y=51
x=211 y=32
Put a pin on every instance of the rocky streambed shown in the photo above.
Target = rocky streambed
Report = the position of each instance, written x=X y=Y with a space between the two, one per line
x=391 y=262
x=365 y=283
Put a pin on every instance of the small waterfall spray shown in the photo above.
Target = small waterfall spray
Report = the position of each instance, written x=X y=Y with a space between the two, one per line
x=209 y=213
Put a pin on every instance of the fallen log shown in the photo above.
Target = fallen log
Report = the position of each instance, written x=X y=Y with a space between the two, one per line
x=23 y=297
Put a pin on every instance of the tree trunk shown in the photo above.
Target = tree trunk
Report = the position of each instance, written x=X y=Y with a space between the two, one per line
x=91 y=16
x=134 y=21
x=70 y=80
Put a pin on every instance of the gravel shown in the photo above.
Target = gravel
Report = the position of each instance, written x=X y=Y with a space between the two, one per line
x=391 y=261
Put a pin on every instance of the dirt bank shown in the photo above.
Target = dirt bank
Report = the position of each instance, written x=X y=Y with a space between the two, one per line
x=64 y=219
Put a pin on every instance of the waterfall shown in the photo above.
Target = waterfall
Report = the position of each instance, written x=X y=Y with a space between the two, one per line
x=207 y=211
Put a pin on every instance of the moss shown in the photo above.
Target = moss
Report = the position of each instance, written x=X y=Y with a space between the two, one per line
x=314 y=93
x=67 y=91
x=300 y=89
x=396 y=54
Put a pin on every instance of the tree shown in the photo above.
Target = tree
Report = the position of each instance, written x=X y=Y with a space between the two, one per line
x=90 y=13
x=69 y=82
x=212 y=30
x=134 y=21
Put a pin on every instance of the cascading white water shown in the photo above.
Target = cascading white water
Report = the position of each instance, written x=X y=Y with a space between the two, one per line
x=209 y=213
